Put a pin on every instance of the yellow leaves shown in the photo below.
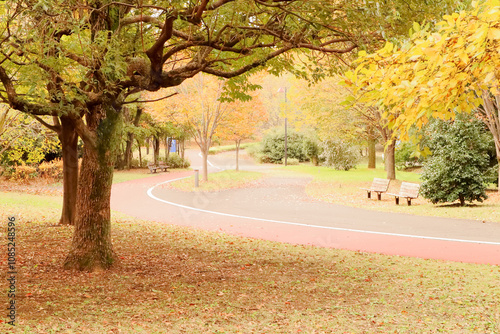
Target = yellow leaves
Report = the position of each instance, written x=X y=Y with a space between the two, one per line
x=489 y=77
x=430 y=52
x=361 y=54
x=492 y=14
x=480 y=35
x=494 y=33
x=462 y=76
x=416 y=27
x=388 y=48
x=434 y=73
x=452 y=20
x=464 y=58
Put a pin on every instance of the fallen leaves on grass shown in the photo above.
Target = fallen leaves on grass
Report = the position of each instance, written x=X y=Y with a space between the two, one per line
x=172 y=279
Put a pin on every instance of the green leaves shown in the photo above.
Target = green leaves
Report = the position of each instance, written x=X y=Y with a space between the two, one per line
x=457 y=167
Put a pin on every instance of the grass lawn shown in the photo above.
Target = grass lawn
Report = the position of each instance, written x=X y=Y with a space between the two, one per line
x=228 y=179
x=133 y=174
x=343 y=187
x=228 y=148
x=178 y=280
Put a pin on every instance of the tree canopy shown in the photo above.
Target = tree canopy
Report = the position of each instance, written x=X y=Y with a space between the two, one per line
x=82 y=61
x=436 y=73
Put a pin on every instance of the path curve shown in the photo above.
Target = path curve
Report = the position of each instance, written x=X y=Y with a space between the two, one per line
x=278 y=209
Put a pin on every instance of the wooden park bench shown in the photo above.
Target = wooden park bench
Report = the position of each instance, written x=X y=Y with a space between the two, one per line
x=378 y=186
x=152 y=167
x=162 y=166
x=408 y=191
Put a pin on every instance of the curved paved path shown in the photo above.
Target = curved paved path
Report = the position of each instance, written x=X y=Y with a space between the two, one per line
x=278 y=209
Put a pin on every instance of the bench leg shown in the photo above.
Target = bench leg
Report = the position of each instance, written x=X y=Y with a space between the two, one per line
x=369 y=194
x=409 y=201
x=379 y=196
x=397 y=200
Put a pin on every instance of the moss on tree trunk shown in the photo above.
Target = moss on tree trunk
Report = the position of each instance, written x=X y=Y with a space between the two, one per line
x=91 y=246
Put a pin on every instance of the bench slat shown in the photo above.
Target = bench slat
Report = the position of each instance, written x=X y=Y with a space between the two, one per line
x=379 y=186
x=408 y=190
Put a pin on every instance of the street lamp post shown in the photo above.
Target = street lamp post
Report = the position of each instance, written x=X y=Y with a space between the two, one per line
x=281 y=90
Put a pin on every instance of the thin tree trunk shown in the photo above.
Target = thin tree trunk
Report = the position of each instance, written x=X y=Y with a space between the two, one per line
x=128 y=150
x=65 y=129
x=130 y=140
x=372 y=154
x=91 y=247
x=498 y=184
x=204 y=154
x=390 y=165
x=69 y=144
x=156 y=149
x=167 y=148
x=182 y=147
x=140 y=152
x=237 y=154
x=491 y=117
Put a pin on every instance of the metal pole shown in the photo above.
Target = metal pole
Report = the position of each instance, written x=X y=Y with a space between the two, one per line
x=286 y=135
x=286 y=142
x=196 y=178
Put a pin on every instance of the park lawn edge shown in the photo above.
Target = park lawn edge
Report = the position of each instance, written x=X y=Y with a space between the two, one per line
x=344 y=188
x=223 y=180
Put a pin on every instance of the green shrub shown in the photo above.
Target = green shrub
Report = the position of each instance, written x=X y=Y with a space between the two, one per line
x=312 y=149
x=406 y=156
x=491 y=175
x=340 y=155
x=291 y=161
x=273 y=146
x=134 y=163
x=456 y=170
x=176 y=161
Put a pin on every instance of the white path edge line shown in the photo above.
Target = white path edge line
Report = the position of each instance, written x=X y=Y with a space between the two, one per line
x=208 y=161
x=150 y=194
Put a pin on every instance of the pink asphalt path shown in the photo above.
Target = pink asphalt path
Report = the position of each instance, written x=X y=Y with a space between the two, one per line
x=132 y=198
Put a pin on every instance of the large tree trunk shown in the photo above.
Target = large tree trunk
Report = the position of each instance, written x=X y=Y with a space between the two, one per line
x=69 y=143
x=91 y=246
x=390 y=162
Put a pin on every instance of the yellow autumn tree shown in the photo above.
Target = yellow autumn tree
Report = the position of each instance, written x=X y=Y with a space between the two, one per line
x=441 y=71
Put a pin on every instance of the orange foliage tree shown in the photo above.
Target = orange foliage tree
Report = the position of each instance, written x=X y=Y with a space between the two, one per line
x=242 y=121
x=197 y=108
